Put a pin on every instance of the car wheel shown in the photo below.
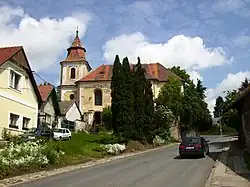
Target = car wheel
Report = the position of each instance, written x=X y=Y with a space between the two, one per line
x=60 y=138
x=69 y=137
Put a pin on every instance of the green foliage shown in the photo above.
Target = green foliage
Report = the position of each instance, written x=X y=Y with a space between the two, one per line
x=219 y=105
x=132 y=102
x=190 y=105
x=215 y=130
x=163 y=120
x=116 y=90
x=181 y=73
x=107 y=118
x=127 y=100
x=244 y=85
x=200 y=89
x=170 y=95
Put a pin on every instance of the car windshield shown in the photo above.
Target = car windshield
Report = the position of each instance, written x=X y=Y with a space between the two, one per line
x=191 y=140
x=58 y=130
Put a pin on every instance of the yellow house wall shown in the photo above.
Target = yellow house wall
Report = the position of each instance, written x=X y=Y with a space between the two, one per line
x=86 y=94
x=23 y=102
x=87 y=89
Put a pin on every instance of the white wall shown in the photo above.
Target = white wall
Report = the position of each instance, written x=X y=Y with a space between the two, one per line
x=73 y=113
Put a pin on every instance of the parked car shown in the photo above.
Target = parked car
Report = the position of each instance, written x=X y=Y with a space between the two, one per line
x=35 y=133
x=61 y=134
x=193 y=146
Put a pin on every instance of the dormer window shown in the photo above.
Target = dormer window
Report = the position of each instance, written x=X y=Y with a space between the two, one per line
x=72 y=73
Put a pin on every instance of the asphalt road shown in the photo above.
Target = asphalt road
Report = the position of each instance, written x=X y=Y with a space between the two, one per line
x=161 y=168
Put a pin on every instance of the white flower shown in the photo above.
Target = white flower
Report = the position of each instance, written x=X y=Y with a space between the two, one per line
x=114 y=148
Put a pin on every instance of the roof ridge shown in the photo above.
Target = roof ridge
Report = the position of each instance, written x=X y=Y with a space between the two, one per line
x=18 y=46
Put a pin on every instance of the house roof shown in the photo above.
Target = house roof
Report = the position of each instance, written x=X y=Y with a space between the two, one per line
x=11 y=53
x=65 y=106
x=154 y=71
x=45 y=90
x=7 y=52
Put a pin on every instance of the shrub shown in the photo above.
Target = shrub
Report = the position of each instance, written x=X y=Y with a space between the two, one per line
x=107 y=118
x=159 y=141
x=17 y=157
x=6 y=134
x=163 y=120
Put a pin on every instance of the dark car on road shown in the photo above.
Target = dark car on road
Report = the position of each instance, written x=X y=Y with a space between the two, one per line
x=35 y=133
x=193 y=146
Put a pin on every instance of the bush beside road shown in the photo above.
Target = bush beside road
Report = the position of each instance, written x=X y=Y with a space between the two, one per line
x=24 y=157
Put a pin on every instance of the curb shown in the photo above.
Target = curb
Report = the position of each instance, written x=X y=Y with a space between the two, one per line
x=47 y=173
x=216 y=163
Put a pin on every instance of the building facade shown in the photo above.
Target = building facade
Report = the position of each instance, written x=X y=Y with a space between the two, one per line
x=19 y=95
x=92 y=89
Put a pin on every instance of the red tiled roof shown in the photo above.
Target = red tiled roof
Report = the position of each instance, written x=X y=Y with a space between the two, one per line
x=45 y=91
x=154 y=71
x=76 y=52
x=7 y=52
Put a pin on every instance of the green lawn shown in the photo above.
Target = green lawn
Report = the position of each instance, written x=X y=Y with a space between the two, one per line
x=82 y=147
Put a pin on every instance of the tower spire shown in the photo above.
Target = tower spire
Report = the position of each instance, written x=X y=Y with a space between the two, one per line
x=77 y=31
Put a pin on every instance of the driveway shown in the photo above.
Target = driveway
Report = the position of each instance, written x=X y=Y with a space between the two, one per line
x=161 y=168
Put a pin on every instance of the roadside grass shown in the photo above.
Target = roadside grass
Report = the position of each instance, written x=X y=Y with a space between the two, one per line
x=82 y=146
x=216 y=131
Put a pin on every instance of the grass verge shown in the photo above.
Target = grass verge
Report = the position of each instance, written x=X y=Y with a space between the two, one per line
x=80 y=149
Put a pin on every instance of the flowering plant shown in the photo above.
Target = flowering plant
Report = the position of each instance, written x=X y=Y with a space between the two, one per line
x=25 y=154
x=114 y=148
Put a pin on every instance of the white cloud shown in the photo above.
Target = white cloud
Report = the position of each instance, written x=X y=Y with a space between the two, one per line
x=188 y=52
x=194 y=75
x=232 y=81
x=44 y=39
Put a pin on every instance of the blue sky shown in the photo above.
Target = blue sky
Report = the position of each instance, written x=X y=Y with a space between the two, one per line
x=212 y=36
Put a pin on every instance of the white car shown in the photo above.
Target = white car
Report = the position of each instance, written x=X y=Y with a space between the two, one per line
x=61 y=134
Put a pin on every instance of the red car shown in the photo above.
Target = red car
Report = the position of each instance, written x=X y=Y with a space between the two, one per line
x=193 y=146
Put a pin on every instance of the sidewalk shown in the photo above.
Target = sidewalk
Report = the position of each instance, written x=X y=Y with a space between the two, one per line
x=230 y=169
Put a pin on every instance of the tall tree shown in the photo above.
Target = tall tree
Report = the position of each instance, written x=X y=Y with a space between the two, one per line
x=116 y=86
x=200 y=89
x=127 y=99
x=139 y=105
x=244 y=85
x=181 y=73
x=219 y=104
x=149 y=111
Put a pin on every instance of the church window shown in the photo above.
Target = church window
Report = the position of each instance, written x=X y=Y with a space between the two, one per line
x=98 y=97
x=72 y=96
x=73 y=73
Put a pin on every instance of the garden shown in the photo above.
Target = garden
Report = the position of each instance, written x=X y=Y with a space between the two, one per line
x=19 y=157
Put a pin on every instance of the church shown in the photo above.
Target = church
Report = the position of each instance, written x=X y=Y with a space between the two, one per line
x=92 y=88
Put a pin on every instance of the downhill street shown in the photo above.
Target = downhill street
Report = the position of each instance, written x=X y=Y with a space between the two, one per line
x=161 y=168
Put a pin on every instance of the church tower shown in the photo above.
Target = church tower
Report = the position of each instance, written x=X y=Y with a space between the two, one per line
x=74 y=67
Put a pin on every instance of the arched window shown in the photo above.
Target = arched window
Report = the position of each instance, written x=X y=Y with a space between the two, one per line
x=73 y=73
x=98 y=97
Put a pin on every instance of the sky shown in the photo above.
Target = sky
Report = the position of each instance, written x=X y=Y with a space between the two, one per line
x=210 y=39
